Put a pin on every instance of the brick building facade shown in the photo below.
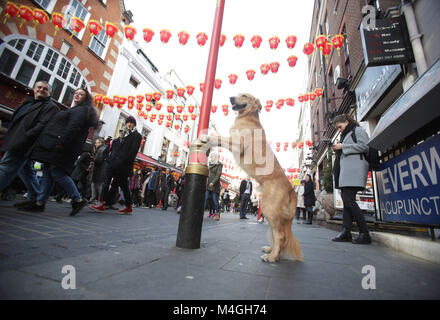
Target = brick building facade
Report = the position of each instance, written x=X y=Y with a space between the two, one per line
x=67 y=61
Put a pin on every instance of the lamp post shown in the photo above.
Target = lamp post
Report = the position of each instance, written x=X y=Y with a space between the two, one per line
x=196 y=173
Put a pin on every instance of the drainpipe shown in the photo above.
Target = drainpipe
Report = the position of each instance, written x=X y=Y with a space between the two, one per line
x=415 y=36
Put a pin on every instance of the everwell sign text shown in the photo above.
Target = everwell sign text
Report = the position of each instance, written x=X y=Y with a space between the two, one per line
x=409 y=185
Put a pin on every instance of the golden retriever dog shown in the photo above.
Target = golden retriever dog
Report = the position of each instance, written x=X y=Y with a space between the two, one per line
x=247 y=142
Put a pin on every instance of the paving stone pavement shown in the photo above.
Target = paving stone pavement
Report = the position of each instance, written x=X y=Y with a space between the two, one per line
x=135 y=257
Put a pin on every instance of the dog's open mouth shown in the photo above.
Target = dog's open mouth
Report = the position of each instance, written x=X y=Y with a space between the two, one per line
x=235 y=105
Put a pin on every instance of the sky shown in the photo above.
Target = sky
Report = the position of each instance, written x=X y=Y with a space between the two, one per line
x=247 y=17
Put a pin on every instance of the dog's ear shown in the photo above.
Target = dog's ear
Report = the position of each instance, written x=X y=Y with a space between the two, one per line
x=259 y=106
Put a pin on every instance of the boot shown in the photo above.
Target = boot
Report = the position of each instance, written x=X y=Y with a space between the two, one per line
x=343 y=236
x=217 y=216
x=77 y=206
x=363 y=238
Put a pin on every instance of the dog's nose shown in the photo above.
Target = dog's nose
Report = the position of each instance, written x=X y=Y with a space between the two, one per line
x=232 y=99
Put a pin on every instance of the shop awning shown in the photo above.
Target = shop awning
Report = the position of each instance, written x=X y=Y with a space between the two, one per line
x=415 y=108
x=147 y=159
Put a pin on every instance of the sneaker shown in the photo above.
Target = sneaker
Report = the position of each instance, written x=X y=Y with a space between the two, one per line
x=100 y=208
x=77 y=206
x=126 y=211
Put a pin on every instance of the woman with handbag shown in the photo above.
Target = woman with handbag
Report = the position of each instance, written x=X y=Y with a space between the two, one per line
x=351 y=172
x=309 y=198
x=59 y=146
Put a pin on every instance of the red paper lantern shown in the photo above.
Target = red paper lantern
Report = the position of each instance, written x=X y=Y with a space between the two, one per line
x=159 y=122
x=308 y=48
x=327 y=50
x=233 y=78
x=177 y=116
x=122 y=100
x=183 y=37
x=267 y=108
x=26 y=14
x=111 y=102
x=169 y=117
x=238 y=39
x=321 y=42
x=129 y=32
x=157 y=96
x=186 y=129
x=193 y=116
x=139 y=98
x=293 y=147
x=11 y=10
x=226 y=112
x=130 y=105
x=158 y=106
x=177 y=127
x=306 y=97
x=149 y=107
x=165 y=35
x=309 y=143
x=161 y=116
x=312 y=96
x=153 y=116
x=214 y=108
x=269 y=103
x=256 y=41
x=168 y=124
x=265 y=68
x=58 y=21
x=291 y=42
x=201 y=38
x=94 y=27
x=290 y=102
x=222 y=40
x=170 y=108
x=274 y=66
x=292 y=61
x=217 y=83
x=273 y=42
x=179 y=109
x=191 y=108
x=301 y=98
x=278 y=149
x=180 y=92
x=98 y=98
x=41 y=17
x=105 y=100
x=148 y=34
x=202 y=86
x=170 y=94
x=319 y=92
x=280 y=103
x=225 y=107
x=190 y=90
x=148 y=97
x=338 y=42
x=250 y=74
x=185 y=117
x=110 y=30
x=77 y=25
x=300 y=145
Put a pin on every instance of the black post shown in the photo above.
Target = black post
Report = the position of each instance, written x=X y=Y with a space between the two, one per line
x=193 y=205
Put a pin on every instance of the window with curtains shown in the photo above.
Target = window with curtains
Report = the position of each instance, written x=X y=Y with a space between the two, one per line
x=76 y=9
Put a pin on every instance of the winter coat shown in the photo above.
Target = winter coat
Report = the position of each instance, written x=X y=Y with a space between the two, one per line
x=125 y=154
x=62 y=140
x=353 y=166
x=81 y=166
x=300 y=192
x=215 y=173
x=153 y=182
x=100 y=164
x=309 y=195
x=167 y=182
x=243 y=186
x=25 y=129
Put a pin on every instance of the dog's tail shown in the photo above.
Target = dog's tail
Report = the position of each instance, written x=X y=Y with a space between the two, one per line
x=291 y=247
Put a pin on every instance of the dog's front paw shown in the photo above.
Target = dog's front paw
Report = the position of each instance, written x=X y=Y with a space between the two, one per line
x=269 y=258
x=266 y=249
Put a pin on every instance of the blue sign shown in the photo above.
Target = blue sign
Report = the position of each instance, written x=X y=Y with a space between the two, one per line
x=409 y=185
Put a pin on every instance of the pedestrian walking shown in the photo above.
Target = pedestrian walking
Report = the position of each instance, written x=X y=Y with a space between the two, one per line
x=300 y=207
x=144 y=191
x=179 y=190
x=120 y=168
x=135 y=187
x=309 y=198
x=245 y=195
x=350 y=174
x=28 y=121
x=152 y=186
x=80 y=174
x=167 y=186
x=99 y=167
x=213 y=184
x=59 y=146
x=227 y=200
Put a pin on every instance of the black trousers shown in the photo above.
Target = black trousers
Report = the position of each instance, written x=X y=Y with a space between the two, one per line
x=351 y=210
x=119 y=180
x=165 y=195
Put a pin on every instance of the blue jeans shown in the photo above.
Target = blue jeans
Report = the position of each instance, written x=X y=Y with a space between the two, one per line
x=245 y=197
x=51 y=175
x=12 y=165
x=214 y=197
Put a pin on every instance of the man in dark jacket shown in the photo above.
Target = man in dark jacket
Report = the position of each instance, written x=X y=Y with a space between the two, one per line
x=28 y=121
x=167 y=187
x=245 y=195
x=121 y=167
x=99 y=166
x=152 y=188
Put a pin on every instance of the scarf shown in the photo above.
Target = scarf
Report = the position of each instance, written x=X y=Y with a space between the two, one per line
x=337 y=164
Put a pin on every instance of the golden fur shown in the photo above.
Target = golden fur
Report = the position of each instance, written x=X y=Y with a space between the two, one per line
x=278 y=196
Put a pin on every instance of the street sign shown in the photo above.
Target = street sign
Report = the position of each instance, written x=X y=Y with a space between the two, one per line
x=387 y=43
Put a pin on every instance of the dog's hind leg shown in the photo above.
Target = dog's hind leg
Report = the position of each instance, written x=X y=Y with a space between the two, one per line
x=268 y=249
x=278 y=238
